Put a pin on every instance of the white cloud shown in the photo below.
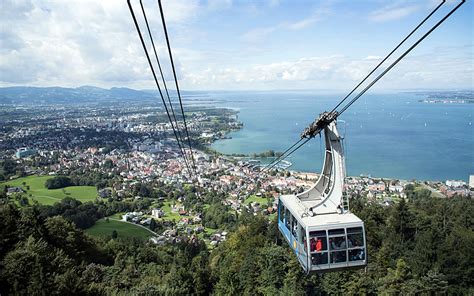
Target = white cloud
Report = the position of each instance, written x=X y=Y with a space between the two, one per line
x=259 y=34
x=179 y=11
x=338 y=72
x=319 y=14
x=219 y=4
x=273 y=3
x=313 y=72
x=83 y=42
x=373 y=57
x=393 y=12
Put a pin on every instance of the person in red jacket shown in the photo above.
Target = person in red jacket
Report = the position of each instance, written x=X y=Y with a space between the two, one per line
x=319 y=245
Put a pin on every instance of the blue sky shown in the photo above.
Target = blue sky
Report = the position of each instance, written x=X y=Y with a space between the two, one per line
x=234 y=45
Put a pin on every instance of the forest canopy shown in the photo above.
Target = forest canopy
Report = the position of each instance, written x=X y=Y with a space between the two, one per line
x=423 y=246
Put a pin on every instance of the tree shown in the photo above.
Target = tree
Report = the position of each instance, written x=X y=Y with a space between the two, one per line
x=114 y=234
x=29 y=267
x=434 y=283
x=9 y=166
x=201 y=274
x=424 y=252
x=3 y=193
x=401 y=223
x=23 y=201
x=218 y=216
x=58 y=182
x=398 y=281
x=153 y=225
x=9 y=233
x=108 y=164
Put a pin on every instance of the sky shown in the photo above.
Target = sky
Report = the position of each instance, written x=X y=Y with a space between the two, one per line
x=234 y=45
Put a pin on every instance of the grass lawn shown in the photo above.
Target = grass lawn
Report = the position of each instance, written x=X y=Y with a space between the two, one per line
x=210 y=231
x=124 y=229
x=434 y=193
x=253 y=198
x=169 y=215
x=51 y=196
x=117 y=216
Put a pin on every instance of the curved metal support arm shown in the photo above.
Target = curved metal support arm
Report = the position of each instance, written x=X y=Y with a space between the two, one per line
x=325 y=195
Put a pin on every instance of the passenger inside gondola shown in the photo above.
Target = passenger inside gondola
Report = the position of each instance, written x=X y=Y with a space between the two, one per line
x=318 y=241
x=302 y=237
x=294 y=226
x=356 y=243
x=337 y=243
x=318 y=247
x=319 y=258
x=357 y=254
x=287 y=219
x=338 y=247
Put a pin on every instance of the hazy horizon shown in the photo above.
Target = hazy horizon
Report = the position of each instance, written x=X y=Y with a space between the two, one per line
x=250 y=90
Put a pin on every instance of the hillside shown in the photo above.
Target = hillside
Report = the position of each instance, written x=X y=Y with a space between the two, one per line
x=62 y=95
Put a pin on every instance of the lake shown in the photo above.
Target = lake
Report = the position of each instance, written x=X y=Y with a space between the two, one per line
x=386 y=135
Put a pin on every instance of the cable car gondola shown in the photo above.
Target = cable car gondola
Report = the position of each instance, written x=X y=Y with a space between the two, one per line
x=317 y=223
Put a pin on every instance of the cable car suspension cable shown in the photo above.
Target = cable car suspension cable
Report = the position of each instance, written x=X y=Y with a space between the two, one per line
x=176 y=82
x=156 y=82
x=161 y=73
x=298 y=147
x=276 y=160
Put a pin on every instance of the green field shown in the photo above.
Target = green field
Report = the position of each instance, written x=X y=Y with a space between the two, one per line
x=263 y=201
x=50 y=196
x=434 y=193
x=169 y=215
x=117 y=216
x=210 y=231
x=104 y=229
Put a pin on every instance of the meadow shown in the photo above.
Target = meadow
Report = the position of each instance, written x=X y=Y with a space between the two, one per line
x=37 y=191
x=263 y=201
x=169 y=214
x=104 y=228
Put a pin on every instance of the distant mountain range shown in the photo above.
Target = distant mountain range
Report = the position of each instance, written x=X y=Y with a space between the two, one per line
x=62 y=95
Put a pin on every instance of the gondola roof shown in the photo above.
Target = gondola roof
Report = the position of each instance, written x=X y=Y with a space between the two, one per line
x=296 y=207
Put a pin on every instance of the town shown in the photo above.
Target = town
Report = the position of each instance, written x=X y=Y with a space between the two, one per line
x=129 y=154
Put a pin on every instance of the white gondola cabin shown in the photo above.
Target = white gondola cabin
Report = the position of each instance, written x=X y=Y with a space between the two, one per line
x=317 y=223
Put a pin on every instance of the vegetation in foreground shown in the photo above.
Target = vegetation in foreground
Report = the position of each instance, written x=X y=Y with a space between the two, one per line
x=421 y=247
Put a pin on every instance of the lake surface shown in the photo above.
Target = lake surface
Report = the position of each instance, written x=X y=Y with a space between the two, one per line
x=386 y=135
